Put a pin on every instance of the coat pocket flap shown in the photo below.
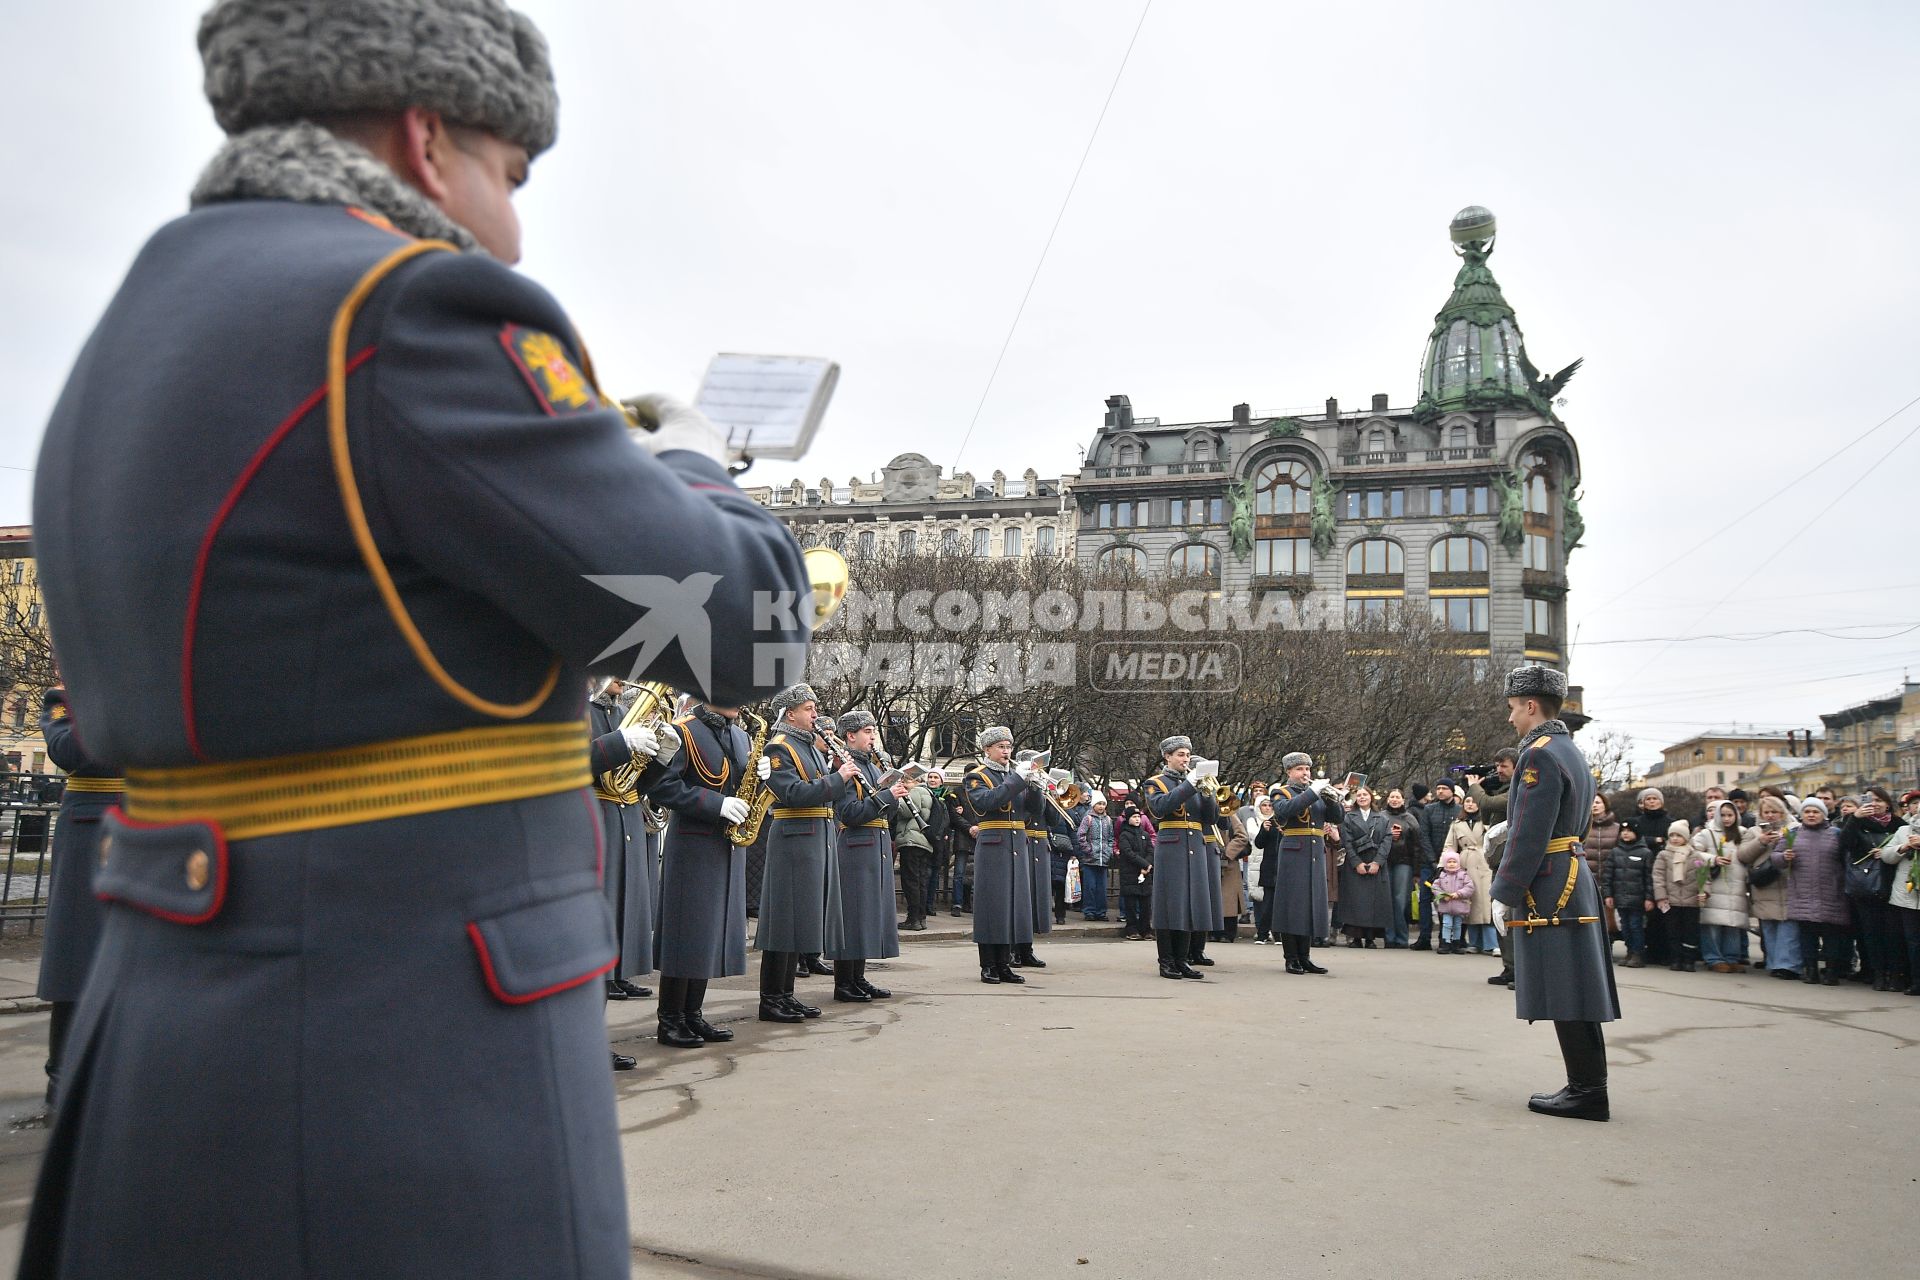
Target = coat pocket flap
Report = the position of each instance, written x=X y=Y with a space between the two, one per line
x=176 y=871
x=535 y=951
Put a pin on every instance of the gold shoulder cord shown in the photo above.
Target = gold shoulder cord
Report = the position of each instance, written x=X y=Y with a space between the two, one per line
x=356 y=512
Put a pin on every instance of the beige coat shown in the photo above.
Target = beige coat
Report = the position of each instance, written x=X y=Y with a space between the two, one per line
x=1674 y=879
x=1769 y=901
x=1470 y=843
x=1230 y=869
x=1726 y=892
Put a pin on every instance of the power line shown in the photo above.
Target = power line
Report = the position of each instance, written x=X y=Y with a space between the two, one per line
x=1754 y=509
x=1797 y=534
x=1746 y=637
x=1068 y=199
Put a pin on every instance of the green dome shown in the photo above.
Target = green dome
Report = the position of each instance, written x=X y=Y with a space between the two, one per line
x=1473 y=357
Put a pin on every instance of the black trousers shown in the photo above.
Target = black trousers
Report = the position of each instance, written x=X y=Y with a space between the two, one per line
x=1910 y=927
x=1296 y=946
x=1263 y=913
x=681 y=995
x=1814 y=935
x=776 y=972
x=915 y=864
x=996 y=955
x=1175 y=945
x=1196 y=945
x=1683 y=933
x=1134 y=911
x=1881 y=940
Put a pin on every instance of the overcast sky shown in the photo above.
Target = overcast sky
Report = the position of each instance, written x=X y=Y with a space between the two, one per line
x=1714 y=204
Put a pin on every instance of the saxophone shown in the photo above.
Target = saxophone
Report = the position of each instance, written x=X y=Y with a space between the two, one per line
x=758 y=796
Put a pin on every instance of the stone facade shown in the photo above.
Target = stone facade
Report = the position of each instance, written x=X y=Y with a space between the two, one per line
x=914 y=507
x=1720 y=759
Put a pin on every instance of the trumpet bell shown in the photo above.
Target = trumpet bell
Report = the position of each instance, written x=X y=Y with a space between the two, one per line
x=828 y=575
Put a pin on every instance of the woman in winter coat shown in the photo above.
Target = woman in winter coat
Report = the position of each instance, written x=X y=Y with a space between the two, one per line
x=1468 y=838
x=1262 y=868
x=1779 y=939
x=1905 y=898
x=1233 y=854
x=1133 y=864
x=1816 y=891
x=1404 y=864
x=1723 y=920
x=1366 y=895
x=1603 y=833
x=1867 y=837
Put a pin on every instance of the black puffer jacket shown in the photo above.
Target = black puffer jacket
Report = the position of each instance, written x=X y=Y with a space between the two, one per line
x=1133 y=855
x=1627 y=877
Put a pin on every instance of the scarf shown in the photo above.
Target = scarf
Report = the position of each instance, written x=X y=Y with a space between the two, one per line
x=306 y=164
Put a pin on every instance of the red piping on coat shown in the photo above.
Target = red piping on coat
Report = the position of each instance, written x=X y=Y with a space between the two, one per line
x=199 y=580
x=500 y=993
x=219 y=870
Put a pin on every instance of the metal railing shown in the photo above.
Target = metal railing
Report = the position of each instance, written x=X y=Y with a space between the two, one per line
x=28 y=804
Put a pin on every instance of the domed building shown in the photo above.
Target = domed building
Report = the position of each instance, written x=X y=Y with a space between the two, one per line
x=1463 y=503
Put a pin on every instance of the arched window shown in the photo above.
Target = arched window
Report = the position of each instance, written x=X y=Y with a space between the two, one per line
x=1202 y=449
x=1043 y=540
x=1375 y=556
x=983 y=542
x=1457 y=555
x=864 y=543
x=1282 y=487
x=1376 y=441
x=1537 y=495
x=1457 y=437
x=1127 y=455
x=1121 y=559
x=837 y=540
x=950 y=542
x=1011 y=545
x=1195 y=559
x=909 y=541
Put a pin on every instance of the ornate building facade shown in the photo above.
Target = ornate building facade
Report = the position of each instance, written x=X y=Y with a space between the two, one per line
x=1463 y=504
x=914 y=509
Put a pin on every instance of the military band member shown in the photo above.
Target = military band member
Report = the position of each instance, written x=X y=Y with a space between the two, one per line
x=627 y=876
x=703 y=875
x=799 y=899
x=1039 y=858
x=863 y=854
x=73 y=913
x=995 y=797
x=1295 y=840
x=1544 y=896
x=338 y=640
x=1183 y=900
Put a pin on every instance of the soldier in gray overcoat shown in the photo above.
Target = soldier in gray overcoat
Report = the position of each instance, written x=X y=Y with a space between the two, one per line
x=1039 y=860
x=703 y=875
x=1184 y=902
x=73 y=913
x=799 y=892
x=1545 y=897
x=346 y=1016
x=625 y=874
x=994 y=796
x=1302 y=806
x=863 y=856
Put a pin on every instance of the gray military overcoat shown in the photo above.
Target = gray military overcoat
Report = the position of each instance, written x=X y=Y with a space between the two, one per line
x=1561 y=972
x=799 y=891
x=626 y=875
x=74 y=915
x=1002 y=887
x=703 y=875
x=863 y=852
x=1186 y=881
x=1039 y=859
x=1300 y=874
x=375 y=1048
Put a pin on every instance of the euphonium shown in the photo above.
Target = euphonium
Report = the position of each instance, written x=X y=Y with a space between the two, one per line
x=651 y=705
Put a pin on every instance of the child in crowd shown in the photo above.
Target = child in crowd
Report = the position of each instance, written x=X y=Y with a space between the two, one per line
x=1626 y=882
x=1679 y=891
x=1452 y=900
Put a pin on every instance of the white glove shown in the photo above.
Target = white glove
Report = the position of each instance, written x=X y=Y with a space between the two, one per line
x=765 y=768
x=1320 y=786
x=669 y=743
x=1500 y=917
x=681 y=427
x=734 y=809
x=641 y=739
x=1258 y=893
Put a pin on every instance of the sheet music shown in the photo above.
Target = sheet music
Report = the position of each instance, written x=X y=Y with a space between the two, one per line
x=769 y=406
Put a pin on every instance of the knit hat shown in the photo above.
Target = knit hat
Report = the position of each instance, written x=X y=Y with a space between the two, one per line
x=1680 y=827
x=987 y=737
x=1651 y=791
x=1536 y=682
x=1294 y=759
x=1449 y=856
x=1170 y=745
x=854 y=721
x=792 y=696
x=1814 y=802
x=1417 y=792
x=476 y=62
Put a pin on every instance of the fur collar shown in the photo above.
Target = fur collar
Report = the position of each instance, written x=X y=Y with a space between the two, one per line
x=306 y=164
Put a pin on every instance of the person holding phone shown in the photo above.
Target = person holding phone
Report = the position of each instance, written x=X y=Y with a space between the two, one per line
x=1779 y=939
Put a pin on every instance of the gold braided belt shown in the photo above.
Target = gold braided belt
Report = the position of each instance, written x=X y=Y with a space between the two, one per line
x=1179 y=824
x=1302 y=831
x=1559 y=844
x=1000 y=824
x=105 y=786
x=819 y=812
x=399 y=778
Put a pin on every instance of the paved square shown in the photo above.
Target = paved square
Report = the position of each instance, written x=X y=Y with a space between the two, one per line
x=1370 y=1123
